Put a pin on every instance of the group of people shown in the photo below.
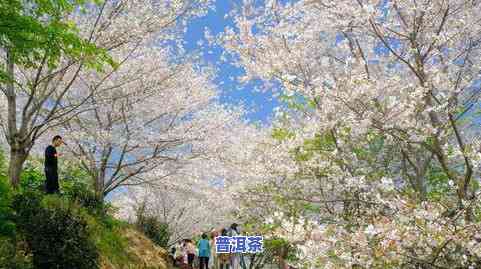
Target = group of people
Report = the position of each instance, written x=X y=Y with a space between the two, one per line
x=187 y=255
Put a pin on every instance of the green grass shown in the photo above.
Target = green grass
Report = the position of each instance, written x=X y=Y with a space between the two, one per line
x=107 y=233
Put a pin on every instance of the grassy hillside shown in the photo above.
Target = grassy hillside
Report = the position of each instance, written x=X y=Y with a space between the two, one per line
x=142 y=251
x=72 y=230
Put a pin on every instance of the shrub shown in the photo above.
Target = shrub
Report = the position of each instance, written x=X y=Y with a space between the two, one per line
x=77 y=186
x=3 y=164
x=7 y=252
x=56 y=232
x=157 y=231
x=273 y=249
x=32 y=178
x=10 y=257
x=81 y=193
x=6 y=225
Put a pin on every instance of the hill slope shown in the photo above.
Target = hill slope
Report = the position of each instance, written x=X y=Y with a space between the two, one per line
x=144 y=253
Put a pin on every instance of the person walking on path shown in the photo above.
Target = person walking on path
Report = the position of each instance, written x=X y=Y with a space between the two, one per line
x=224 y=258
x=172 y=255
x=190 y=253
x=234 y=259
x=51 y=165
x=204 y=252
x=178 y=254
x=213 y=260
x=182 y=255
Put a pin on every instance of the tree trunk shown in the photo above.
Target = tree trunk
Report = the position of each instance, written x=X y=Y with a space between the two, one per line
x=282 y=258
x=421 y=185
x=17 y=153
x=17 y=159
x=283 y=263
x=99 y=187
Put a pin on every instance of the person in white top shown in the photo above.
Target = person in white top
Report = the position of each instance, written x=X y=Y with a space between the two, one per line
x=213 y=261
x=178 y=255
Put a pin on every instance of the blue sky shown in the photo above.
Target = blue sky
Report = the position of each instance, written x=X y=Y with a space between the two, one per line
x=259 y=104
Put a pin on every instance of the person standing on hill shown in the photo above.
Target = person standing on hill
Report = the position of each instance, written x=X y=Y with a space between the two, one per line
x=51 y=165
x=204 y=252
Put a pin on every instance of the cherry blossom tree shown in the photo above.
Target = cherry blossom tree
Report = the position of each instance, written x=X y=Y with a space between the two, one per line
x=140 y=119
x=156 y=116
x=378 y=139
x=187 y=211
x=34 y=37
x=40 y=93
x=200 y=194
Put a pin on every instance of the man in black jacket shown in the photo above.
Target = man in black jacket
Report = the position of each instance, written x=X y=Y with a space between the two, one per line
x=51 y=165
